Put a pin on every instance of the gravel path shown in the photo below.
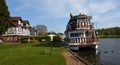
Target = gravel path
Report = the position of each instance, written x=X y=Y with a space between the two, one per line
x=71 y=60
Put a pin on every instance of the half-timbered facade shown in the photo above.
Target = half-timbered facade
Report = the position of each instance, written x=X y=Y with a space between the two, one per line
x=18 y=28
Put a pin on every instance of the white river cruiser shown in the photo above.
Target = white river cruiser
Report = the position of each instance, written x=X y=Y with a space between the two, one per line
x=80 y=32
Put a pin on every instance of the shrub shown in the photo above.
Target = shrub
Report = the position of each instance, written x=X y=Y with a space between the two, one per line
x=46 y=38
x=57 y=39
x=34 y=41
x=27 y=39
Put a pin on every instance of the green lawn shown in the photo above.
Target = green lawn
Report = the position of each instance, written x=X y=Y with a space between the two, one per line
x=31 y=54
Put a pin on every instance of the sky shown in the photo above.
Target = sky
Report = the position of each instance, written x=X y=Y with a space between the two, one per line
x=55 y=13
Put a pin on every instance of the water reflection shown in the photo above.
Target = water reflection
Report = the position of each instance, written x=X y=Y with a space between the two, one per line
x=108 y=54
x=90 y=55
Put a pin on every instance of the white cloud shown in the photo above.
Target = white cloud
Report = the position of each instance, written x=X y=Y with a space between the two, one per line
x=103 y=7
x=58 y=10
x=109 y=20
x=77 y=6
x=22 y=5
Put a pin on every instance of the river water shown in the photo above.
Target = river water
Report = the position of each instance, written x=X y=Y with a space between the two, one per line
x=108 y=52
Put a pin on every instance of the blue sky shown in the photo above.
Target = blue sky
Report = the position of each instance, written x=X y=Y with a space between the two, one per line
x=55 y=13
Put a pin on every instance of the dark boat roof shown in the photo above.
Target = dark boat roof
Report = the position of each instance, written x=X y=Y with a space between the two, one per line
x=80 y=17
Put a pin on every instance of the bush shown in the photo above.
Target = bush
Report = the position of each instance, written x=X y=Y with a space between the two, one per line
x=34 y=41
x=38 y=39
x=27 y=39
x=46 y=38
x=24 y=41
x=57 y=39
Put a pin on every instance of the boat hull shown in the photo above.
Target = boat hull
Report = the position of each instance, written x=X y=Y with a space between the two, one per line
x=77 y=46
x=74 y=48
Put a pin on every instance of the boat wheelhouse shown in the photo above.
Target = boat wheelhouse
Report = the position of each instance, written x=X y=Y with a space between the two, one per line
x=80 y=32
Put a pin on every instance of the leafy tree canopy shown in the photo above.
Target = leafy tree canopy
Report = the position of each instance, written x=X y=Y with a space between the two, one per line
x=109 y=32
x=41 y=29
x=4 y=17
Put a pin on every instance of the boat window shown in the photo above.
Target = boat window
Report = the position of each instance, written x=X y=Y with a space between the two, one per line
x=74 y=35
x=81 y=20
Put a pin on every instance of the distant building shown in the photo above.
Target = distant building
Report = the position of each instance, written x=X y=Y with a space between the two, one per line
x=18 y=28
x=33 y=32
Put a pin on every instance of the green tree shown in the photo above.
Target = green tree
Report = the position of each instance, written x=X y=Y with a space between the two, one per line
x=41 y=30
x=4 y=17
x=109 y=32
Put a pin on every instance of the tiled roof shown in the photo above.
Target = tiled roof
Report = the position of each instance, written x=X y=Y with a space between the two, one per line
x=25 y=22
x=14 y=20
x=30 y=28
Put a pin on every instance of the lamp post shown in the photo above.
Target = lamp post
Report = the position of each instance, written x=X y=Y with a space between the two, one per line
x=51 y=39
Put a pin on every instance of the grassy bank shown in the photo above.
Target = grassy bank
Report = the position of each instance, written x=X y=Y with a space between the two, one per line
x=31 y=54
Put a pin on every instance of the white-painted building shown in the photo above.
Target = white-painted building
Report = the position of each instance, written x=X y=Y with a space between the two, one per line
x=18 y=28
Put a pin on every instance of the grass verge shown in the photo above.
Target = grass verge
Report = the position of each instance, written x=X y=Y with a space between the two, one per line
x=31 y=54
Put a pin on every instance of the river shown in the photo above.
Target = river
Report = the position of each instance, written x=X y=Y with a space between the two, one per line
x=108 y=52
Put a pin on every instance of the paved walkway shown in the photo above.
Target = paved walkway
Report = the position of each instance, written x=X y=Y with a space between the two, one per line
x=71 y=60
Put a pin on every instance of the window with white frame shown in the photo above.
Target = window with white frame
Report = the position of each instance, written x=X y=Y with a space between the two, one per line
x=10 y=37
x=19 y=29
x=19 y=22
